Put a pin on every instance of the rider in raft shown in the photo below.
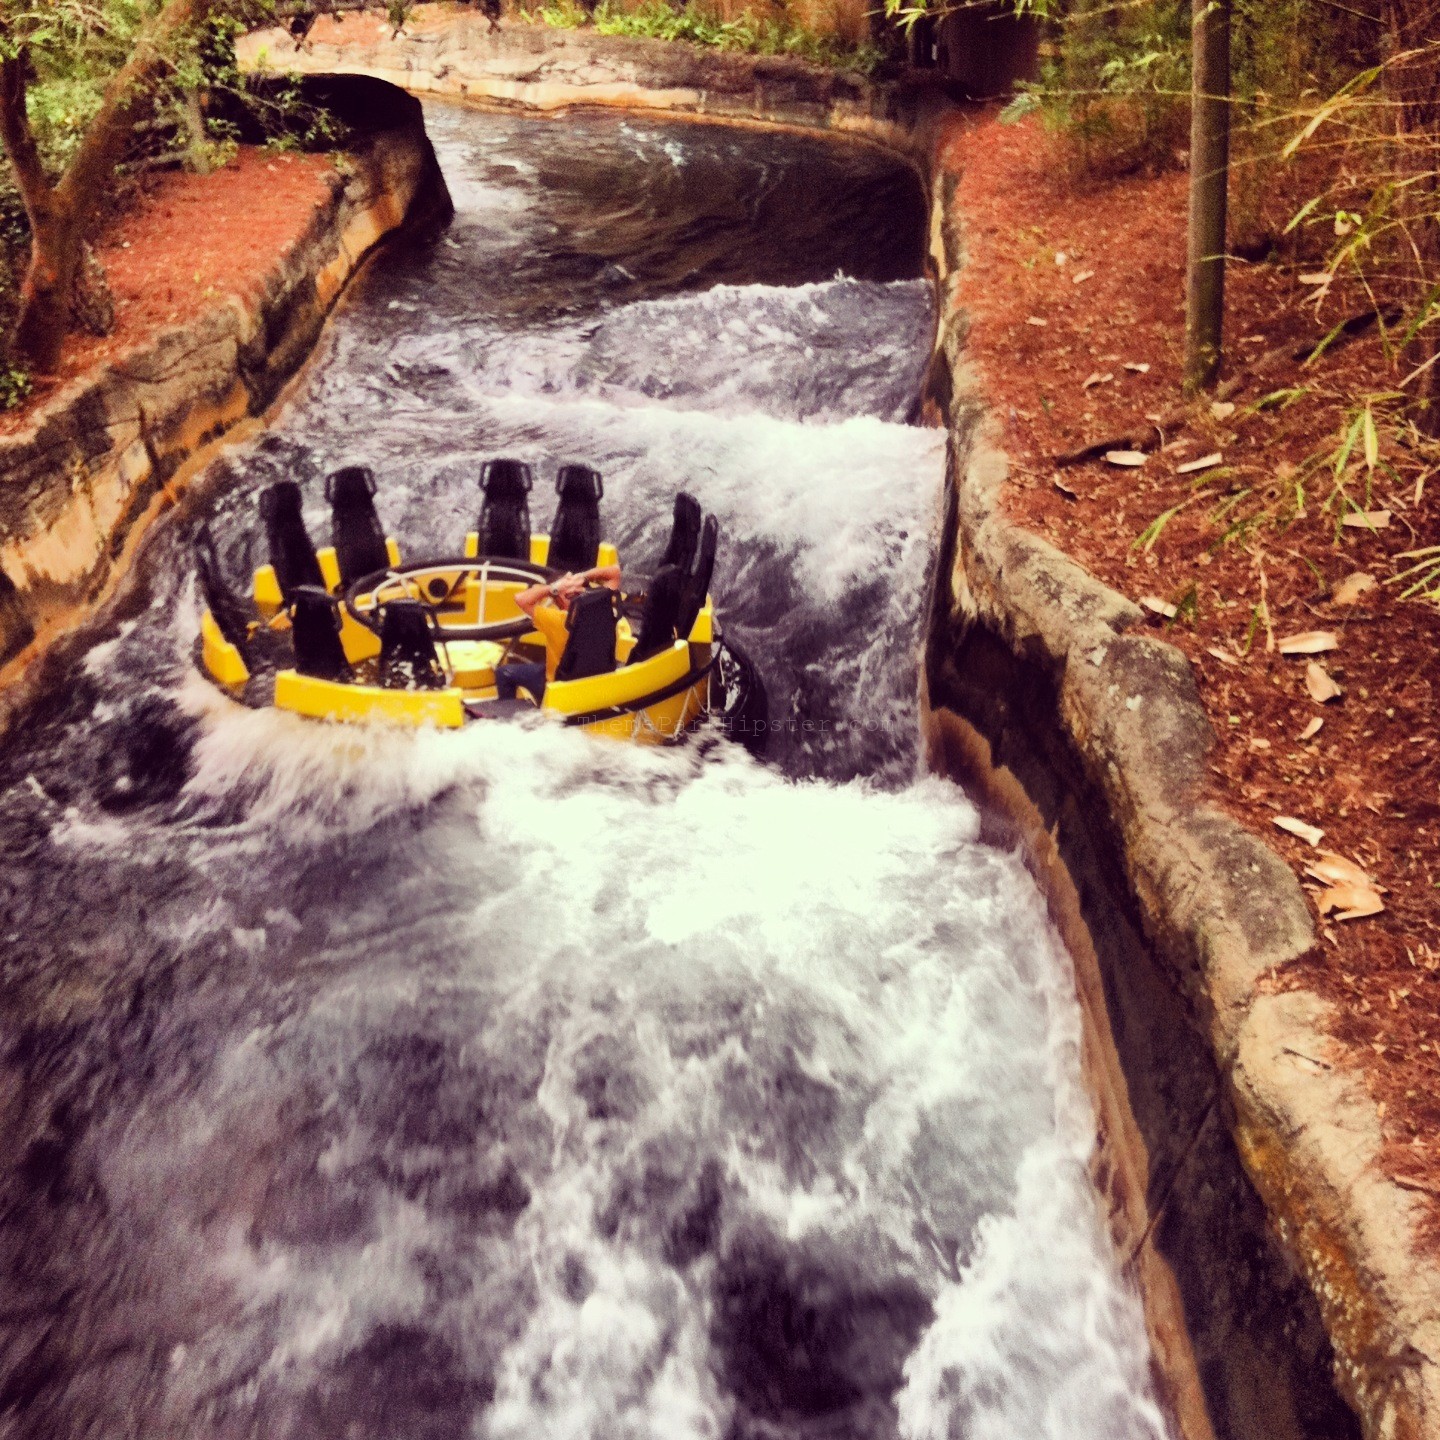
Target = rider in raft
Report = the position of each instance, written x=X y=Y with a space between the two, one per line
x=546 y=605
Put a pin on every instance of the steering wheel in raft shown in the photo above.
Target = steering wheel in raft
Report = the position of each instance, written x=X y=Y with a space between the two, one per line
x=435 y=584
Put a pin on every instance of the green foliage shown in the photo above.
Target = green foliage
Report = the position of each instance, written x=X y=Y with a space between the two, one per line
x=1117 y=87
x=14 y=387
x=695 y=23
x=906 y=13
x=74 y=47
x=559 y=15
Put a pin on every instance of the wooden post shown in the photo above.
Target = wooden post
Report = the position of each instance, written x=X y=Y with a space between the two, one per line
x=1209 y=184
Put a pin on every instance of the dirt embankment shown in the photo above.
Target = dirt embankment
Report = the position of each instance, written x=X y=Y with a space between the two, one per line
x=1287 y=1038
x=222 y=285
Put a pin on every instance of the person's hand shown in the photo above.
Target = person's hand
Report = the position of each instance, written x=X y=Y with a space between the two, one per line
x=569 y=586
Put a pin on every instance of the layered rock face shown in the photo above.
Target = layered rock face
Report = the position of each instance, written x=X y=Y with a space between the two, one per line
x=1282 y=1270
x=78 y=475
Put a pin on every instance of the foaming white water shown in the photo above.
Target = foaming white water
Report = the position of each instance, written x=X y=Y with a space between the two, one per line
x=751 y=1044
x=732 y=349
x=511 y=1084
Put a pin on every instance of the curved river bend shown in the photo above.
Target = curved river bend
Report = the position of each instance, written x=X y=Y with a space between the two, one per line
x=509 y=1084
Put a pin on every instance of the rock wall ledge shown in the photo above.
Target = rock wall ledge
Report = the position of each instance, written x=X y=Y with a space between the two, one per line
x=93 y=462
x=1283 y=1273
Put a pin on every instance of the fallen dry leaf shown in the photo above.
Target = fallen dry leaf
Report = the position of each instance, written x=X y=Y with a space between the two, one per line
x=1310 y=642
x=1336 y=869
x=1205 y=462
x=1352 y=587
x=1036 y=320
x=1312 y=729
x=1063 y=488
x=1096 y=378
x=1130 y=459
x=1350 y=902
x=1320 y=685
x=1082 y=277
x=1223 y=656
x=1222 y=409
x=1319 y=278
x=1310 y=834
x=1369 y=520
x=1136 y=367
x=1159 y=607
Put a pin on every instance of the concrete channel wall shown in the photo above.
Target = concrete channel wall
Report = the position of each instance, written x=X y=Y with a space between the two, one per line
x=1287 y=1286
x=1285 y=1290
x=92 y=464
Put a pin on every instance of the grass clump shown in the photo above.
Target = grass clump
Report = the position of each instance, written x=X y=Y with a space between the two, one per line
x=694 y=22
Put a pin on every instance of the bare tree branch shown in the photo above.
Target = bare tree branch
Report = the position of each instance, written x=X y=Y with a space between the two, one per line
x=19 y=138
x=105 y=139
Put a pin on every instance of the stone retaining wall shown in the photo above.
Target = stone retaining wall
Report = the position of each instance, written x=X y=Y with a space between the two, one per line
x=1242 y=1159
x=446 y=51
x=79 y=476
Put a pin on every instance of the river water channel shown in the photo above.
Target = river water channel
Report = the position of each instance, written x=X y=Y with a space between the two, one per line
x=508 y=1083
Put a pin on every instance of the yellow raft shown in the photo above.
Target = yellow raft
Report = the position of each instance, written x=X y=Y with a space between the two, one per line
x=420 y=643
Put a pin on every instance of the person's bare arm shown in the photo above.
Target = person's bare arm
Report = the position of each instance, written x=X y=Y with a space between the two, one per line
x=603 y=575
x=529 y=600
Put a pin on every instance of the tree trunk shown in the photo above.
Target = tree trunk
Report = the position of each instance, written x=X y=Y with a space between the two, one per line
x=59 y=214
x=197 y=151
x=1209 y=194
x=47 y=292
x=1412 y=87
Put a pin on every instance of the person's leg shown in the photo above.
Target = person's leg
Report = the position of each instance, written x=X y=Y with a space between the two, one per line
x=529 y=674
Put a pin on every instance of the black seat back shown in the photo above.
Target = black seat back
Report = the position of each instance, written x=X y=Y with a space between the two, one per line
x=590 y=650
x=505 y=516
x=230 y=615
x=684 y=533
x=315 y=633
x=575 y=535
x=355 y=529
x=291 y=552
x=697 y=586
x=657 y=620
x=408 y=658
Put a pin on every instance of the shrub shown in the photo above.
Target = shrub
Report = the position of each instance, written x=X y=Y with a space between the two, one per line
x=14 y=387
x=699 y=24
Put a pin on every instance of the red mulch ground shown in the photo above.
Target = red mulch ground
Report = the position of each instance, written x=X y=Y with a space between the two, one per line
x=188 y=240
x=1371 y=777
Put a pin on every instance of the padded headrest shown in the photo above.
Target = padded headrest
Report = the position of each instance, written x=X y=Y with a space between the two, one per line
x=346 y=486
x=315 y=634
x=684 y=532
x=697 y=584
x=292 y=553
x=505 y=480
x=662 y=609
x=592 y=597
x=408 y=659
x=355 y=529
x=280 y=501
x=228 y=613
x=590 y=649
x=579 y=482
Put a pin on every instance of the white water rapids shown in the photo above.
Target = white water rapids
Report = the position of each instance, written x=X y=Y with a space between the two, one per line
x=514 y=1085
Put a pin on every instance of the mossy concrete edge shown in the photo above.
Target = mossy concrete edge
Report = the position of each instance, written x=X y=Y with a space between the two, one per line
x=96 y=462
x=1098 y=728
